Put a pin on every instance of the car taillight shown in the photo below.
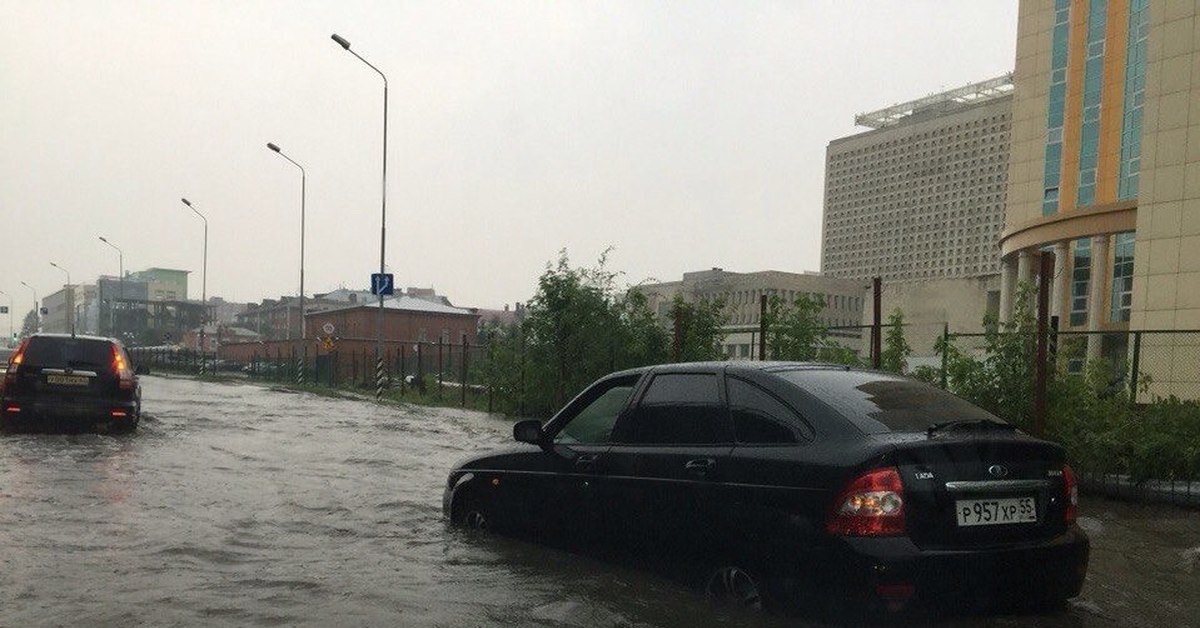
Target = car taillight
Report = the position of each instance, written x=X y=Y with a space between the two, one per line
x=14 y=364
x=121 y=368
x=1071 y=494
x=871 y=505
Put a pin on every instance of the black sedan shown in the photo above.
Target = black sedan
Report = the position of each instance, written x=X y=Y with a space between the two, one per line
x=792 y=483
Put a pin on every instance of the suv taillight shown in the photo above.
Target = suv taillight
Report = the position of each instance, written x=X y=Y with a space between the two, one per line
x=14 y=364
x=871 y=505
x=1070 y=494
x=121 y=368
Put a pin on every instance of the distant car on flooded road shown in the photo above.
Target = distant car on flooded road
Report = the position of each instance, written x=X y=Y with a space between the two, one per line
x=69 y=382
x=792 y=484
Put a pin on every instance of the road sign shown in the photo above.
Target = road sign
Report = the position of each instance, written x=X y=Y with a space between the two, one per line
x=45 y=311
x=381 y=283
x=328 y=329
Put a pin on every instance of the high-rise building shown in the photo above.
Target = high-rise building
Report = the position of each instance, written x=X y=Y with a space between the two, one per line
x=921 y=195
x=1105 y=173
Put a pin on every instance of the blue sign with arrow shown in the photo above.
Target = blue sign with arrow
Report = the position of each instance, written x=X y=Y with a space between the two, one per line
x=381 y=283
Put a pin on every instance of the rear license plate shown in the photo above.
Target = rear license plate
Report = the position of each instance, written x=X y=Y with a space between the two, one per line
x=983 y=512
x=67 y=380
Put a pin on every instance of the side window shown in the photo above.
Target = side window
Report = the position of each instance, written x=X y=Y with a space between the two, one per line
x=760 y=418
x=594 y=422
x=682 y=409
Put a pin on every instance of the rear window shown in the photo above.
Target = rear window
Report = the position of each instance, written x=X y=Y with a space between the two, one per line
x=878 y=403
x=76 y=353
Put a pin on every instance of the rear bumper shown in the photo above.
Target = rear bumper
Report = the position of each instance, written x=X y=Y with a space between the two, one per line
x=42 y=414
x=895 y=568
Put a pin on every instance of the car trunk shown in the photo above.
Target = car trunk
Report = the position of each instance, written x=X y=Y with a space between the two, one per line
x=980 y=489
x=74 y=370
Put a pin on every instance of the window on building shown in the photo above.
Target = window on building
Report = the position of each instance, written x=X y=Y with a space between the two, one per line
x=1122 y=285
x=1080 y=281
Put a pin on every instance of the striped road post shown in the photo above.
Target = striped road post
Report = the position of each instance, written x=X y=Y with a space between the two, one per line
x=379 y=379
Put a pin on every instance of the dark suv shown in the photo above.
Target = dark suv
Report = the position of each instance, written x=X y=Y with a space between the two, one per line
x=67 y=382
x=792 y=482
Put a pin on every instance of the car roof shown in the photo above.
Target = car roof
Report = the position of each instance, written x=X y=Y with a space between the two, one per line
x=744 y=365
x=69 y=336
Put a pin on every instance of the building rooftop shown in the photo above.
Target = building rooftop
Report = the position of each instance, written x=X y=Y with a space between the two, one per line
x=966 y=95
x=407 y=303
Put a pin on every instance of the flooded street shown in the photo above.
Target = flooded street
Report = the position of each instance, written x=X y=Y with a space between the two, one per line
x=239 y=505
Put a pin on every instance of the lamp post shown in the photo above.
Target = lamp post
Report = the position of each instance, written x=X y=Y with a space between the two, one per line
x=303 y=181
x=10 y=316
x=70 y=297
x=120 y=283
x=203 y=288
x=37 y=312
x=383 y=221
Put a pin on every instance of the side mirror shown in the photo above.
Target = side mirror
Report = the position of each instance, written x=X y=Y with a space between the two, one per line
x=529 y=431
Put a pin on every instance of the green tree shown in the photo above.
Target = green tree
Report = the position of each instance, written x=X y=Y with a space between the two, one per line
x=796 y=332
x=579 y=326
x=1001 y=380
x=896 y=350
x=697 y=329
x=29 y=325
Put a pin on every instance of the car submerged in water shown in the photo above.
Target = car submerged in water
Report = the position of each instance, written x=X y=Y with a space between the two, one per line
x=67 y=382
x=792 y=485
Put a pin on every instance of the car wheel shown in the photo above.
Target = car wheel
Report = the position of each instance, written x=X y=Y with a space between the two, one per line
x=734 y=587
x=474 y=516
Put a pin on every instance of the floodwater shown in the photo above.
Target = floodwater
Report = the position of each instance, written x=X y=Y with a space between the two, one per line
x=239 y=505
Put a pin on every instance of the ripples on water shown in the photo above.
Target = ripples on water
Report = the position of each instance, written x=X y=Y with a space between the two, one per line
x=239 y=505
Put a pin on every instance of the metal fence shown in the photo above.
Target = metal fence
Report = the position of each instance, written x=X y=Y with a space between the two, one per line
x=437 y=371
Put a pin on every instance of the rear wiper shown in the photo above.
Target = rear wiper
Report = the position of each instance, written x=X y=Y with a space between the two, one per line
x=976 y=424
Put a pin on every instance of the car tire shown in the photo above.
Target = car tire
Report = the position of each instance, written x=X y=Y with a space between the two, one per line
x=472 y=515
x=735 y=587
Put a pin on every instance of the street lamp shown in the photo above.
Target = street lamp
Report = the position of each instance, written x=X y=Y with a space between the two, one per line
x=383 y=221
x=303 y=180
x=70 y=297
x=120 y=283
x=37 y=312
x=10 y=316
x=203 y=286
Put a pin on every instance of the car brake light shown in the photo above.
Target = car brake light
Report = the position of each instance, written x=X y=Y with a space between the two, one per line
x=1071 y=493
x=121 y=368
x=14 y=364
x=119 y=414
x=13 y=409
x=871 y=505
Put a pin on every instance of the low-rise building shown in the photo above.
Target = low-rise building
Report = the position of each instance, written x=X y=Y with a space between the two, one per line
x=742 y=292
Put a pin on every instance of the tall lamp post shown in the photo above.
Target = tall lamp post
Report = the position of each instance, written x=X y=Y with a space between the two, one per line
x=37 y=309
x=120 y=283
x=303 y=180
x=70 y=299
x=341 y=41
x=10 y=316
x=203 y=288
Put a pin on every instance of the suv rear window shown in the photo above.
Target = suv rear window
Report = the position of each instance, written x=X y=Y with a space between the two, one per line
x=879 y=403
x=76 y=353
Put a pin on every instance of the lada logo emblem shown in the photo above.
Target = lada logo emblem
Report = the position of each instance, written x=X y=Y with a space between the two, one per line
x=998 y=471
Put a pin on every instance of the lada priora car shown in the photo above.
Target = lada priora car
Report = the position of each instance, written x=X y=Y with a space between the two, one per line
x=792 y=482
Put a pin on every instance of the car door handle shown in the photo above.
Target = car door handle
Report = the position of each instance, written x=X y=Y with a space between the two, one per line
x=700 y=466
x=586 y=462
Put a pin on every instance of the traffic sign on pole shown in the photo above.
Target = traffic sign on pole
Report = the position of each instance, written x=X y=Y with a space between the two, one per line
x=381 y=283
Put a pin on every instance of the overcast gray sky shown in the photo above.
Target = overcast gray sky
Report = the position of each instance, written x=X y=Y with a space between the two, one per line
x=684 y=134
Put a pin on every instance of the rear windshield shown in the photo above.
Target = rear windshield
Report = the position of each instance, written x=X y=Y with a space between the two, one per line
x=878 y=403
x=76 y=353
